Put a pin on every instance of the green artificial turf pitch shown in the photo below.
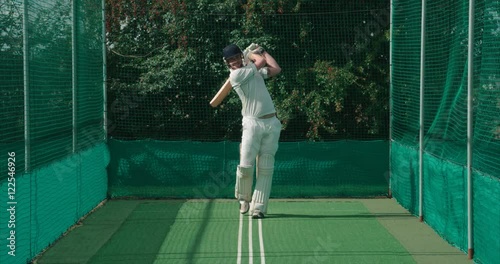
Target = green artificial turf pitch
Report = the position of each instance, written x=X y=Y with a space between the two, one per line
x=212 y=231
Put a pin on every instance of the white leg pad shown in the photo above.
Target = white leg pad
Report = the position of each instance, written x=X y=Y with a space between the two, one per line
x=244 y=182
x=265 y=169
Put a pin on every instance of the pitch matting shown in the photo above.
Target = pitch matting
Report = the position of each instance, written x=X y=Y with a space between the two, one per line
x=212 y=231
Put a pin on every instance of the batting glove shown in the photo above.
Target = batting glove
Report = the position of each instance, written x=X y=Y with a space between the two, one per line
x=255 y=48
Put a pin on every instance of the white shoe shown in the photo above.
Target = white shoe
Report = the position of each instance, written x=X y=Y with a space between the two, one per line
x=244 y=206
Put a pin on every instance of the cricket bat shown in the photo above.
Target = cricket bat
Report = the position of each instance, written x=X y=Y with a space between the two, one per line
x=221 y=94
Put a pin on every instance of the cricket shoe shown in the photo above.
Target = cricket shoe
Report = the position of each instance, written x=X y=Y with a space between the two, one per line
x=244 y=206
x=257 y=214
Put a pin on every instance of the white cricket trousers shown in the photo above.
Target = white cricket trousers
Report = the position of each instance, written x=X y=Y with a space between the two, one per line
x=259 y=143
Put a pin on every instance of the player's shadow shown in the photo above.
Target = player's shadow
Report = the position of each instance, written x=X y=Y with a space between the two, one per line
x=340 y=216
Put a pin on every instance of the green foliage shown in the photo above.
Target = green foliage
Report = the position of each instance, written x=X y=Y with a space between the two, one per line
x=164 y=66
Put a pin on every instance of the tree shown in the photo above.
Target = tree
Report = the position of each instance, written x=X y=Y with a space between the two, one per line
x=165 y=65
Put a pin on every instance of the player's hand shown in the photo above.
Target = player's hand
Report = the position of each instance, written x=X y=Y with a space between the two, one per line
x=246 y=53
x=258 y=49
x=252 y=49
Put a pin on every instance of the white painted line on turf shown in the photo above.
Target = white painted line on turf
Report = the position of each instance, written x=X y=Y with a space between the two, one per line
x=250 y=241
x=240 y=233
x=261 y=240
x=250 y=246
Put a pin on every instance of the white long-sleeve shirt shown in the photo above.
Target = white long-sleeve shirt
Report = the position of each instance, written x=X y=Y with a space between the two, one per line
x=249 y=83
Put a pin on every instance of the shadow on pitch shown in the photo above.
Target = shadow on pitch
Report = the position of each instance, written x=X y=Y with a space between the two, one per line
x=339 y=216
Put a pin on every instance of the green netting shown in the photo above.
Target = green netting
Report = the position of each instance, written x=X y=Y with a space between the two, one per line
x=486 y=151
x=51 y=113
x=181 y=169
x=404 y=175
x=486 y=218
x=89 y=73
x=165 y=65
x=51 y=80
x=487 y=93
x=50 y=200
x=445 y=118
x=445 y=199
x=445 y=85
x=405 y=57
x=11 y=84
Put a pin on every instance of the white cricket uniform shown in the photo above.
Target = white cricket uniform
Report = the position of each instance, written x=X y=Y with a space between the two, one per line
x=259 y=140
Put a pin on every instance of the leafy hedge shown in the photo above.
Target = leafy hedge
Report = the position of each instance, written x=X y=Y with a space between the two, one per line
x=164 y=65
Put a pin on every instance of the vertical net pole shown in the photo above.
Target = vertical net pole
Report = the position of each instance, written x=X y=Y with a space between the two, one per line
x=104 y=77
x=73 y=72
x=26 y=88
x=470 y=72
x=421 y=131
x=391 y=12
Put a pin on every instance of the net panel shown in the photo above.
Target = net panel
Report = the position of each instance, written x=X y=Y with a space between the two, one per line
x=184 y=169
x=445 y=86
x=486 y=137
x=165 y=65
x=445 y=116
x=61 y=93
x=51 y=102
x=50 y=200
x=445 y=120
x=50 y=81
x=89 y=74
x=405 y=71
x=405 y=93
x=11 y=85
x=486 y=154
x=486 y=218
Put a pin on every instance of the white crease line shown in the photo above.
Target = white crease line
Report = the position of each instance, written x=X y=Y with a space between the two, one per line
x=240 y=233
x=261 y=240
x=250 y=246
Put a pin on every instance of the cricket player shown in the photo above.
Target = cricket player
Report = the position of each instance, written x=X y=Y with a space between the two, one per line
x=261 y=127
